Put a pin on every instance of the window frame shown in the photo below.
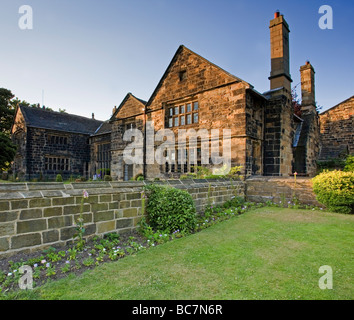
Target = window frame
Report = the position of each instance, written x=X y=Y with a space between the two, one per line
x=182 y=114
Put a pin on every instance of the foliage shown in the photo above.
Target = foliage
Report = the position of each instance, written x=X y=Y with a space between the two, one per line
x=335 y=189
x=138 y=177
x=107 y=177
x=331 y=164
x=7 y=110
x=224 y=172
x=8 y=151
x=170 y=209
x=59 y=178
x=349 y=163
x=80 y=229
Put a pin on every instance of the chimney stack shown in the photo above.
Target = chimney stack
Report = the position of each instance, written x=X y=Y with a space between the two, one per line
x=279 y=46
x=93 y=115
x=307 y=86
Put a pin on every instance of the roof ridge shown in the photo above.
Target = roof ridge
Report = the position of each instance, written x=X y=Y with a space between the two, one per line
x=58 y=112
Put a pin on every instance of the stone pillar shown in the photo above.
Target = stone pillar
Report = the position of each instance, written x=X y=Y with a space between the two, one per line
x=310 y=130
x=279 y=46
x=278 y=132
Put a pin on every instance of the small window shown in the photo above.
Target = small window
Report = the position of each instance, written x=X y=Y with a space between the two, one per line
x=176 y=122
x=195 y=106
x=170 y=122
x=182 y=121
x=176 y=110
x=189 y=119
x=171 y=112
x=182 y=75
x=182 y=109
x=189 y=107
x=195 y=117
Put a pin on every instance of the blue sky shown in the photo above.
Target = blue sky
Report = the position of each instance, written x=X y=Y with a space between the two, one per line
x=86 y=55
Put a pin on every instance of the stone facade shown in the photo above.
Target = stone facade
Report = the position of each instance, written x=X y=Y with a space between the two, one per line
x=51 y=143
x=193 y=95
x=307 y=147
x=100 y=151
x=129 y=115
x=221 y=101
x=34 y=216
x=336 y=126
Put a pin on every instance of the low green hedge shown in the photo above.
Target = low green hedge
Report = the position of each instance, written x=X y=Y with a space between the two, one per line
x=335 y=189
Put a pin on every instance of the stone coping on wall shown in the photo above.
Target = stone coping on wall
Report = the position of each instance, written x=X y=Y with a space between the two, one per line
x=27 y=190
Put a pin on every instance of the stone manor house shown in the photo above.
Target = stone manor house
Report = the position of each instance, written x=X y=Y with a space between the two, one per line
x=268 y=137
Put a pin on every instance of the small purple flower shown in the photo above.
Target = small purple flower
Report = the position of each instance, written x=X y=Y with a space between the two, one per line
x=85 y=194
x=35 y=265
x=47 y=265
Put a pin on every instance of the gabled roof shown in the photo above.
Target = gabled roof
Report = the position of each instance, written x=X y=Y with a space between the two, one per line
x=178 y=52
x=336 y=105
x=129 y=95
x=45 y=119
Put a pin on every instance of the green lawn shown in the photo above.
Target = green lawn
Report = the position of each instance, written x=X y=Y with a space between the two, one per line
x=268 y=253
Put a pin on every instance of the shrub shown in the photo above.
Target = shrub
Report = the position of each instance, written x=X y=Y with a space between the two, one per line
x=59 y=178
x=107 y=178
x=170 y=209
x=138 y=177
x=349 y=163
x=335 y=189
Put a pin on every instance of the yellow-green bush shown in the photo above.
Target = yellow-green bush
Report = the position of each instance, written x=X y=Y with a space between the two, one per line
x=349 y=163
x=335 y=189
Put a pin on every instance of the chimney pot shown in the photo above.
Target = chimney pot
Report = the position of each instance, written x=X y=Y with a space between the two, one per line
x=276 y=14
x=93 y=115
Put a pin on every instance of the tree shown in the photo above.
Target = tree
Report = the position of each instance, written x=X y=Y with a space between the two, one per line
x=8 y=151
x=7 y=110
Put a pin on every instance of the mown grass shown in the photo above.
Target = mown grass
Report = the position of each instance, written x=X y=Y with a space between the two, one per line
x=268 y=253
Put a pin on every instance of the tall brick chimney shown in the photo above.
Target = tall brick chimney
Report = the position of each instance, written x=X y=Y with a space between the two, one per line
x=310 y=134
x=279 y=53
x=307 y=73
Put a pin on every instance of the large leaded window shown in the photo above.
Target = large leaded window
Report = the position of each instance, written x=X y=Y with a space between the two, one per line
x=182 y=114
x=56 y=164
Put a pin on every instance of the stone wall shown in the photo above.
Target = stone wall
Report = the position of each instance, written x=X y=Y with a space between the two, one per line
x=336 y=127
x=34 y=216
x=278 y=134
x=275 y=189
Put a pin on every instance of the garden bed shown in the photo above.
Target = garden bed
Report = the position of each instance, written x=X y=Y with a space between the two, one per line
x=56 y=263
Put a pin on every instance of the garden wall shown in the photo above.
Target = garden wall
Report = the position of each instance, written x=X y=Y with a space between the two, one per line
x=276 y=189
x=38 y=215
